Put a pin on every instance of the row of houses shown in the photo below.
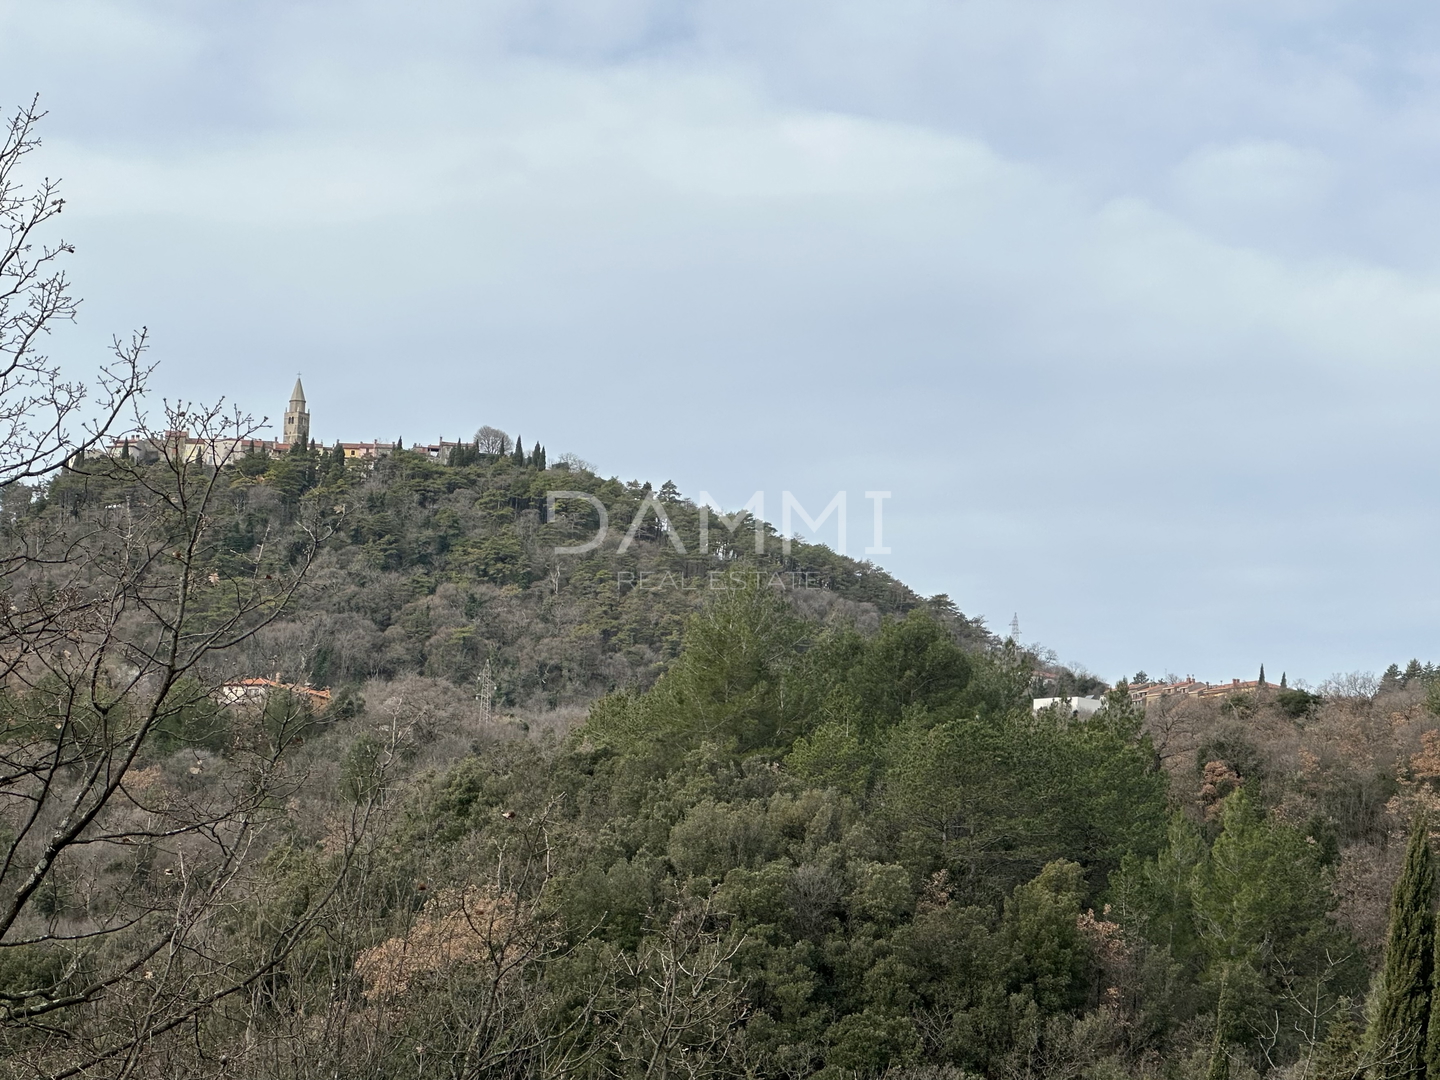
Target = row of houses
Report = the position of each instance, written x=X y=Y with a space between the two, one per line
x=182 y=446
x=1190 y=687
x=1144 y=693
x=218 y=451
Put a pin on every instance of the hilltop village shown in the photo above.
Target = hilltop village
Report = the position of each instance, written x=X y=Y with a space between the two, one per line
x=295 y=433
x=296 y=436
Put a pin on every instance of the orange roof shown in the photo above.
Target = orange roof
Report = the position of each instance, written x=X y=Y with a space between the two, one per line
x=294 y=688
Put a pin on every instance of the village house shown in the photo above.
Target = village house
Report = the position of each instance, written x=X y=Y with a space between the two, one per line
x=295 y=429
x=256 y=692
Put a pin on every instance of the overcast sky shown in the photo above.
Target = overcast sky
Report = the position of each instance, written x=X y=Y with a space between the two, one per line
x=1134 y=306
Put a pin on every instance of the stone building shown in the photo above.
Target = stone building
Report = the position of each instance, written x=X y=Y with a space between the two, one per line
x=295 y=428
x=297 y=417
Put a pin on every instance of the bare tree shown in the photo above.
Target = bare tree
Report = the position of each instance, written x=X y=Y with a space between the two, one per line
x=120 y=866
x=44 y=418
x=683 y=1010
x=136 y=814
x=459 y=986
x=489 y=440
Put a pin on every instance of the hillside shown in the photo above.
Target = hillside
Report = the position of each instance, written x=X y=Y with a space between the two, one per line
x=556 y=825
x=436 y=570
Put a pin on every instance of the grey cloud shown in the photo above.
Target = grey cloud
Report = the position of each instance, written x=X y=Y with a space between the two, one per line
x=1132 y=307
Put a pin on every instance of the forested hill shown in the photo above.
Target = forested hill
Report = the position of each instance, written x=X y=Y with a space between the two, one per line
x=558 y=823
x=437 y=569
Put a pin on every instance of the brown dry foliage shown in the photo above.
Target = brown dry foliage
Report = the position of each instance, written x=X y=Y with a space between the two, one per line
x=1362 y=761
x=470 y=926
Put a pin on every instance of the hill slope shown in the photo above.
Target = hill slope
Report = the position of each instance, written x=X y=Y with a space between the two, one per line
x=436 y=569
x=765 y=831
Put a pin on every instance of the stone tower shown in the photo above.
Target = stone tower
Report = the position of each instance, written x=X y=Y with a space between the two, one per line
x=297 y=417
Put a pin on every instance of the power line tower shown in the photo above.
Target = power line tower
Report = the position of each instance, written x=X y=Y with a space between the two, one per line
x=1015 y=628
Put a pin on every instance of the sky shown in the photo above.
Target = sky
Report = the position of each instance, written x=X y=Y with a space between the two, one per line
x=1134 y=308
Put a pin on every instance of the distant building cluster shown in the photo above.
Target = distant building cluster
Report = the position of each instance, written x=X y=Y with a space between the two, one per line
x=295 y=430
x=1144 y=693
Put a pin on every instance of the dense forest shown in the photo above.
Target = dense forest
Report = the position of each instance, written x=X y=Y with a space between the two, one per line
x=438 y=569
x=562 y=820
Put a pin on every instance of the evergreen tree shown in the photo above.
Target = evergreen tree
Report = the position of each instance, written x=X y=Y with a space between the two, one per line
x=334 y=465
x=1262 y=675
x=519 y=456
x=1413 y=672
x=1432 y=1040
x=1397 y=1036
x=1339 y=1056
x=1283 y=684
x=540 y=458
x=1219 y=1068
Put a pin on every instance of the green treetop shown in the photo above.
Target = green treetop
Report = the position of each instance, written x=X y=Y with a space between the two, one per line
x=1398 y=1027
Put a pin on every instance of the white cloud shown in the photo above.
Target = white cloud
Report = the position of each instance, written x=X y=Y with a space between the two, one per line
x=84 y=39
x=1045 y=258
x=1124 y=282
x=1255 y=177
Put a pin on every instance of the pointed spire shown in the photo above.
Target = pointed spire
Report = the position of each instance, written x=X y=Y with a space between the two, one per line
x=297 y=416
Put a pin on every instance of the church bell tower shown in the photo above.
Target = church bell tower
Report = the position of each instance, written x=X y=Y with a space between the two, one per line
x=297 y=416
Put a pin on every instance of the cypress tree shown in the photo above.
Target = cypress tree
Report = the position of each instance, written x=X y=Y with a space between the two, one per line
x=1397 y=1035
x=1432 y=1039
x=519 y=457
x=1262 y=675
x=1282 y=680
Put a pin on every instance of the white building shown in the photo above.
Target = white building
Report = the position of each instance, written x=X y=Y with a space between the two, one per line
x=1081 y=708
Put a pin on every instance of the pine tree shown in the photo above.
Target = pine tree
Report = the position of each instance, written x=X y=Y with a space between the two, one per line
x=1397 y=1036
